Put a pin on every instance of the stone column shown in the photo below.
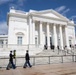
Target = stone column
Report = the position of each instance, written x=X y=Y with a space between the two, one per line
x=30 y=38
x=61 y=37
x=54 y=36
x=40 y=27
x=4 y=43
x=66 y=38
x=30 y=30
x=33 y=29
x=48 y=36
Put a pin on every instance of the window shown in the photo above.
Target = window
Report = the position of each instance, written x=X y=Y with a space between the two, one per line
x=19 y=40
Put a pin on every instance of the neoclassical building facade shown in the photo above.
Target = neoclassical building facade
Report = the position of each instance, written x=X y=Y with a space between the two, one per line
x=34 y=29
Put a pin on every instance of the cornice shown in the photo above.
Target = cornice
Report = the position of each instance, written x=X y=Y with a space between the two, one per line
x=17 y=15
x=5 y=36
x=71 y=24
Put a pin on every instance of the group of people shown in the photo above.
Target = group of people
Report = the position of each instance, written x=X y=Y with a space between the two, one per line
x=12 y=64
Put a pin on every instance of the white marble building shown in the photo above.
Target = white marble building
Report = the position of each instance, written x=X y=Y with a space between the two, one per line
x=34 y=29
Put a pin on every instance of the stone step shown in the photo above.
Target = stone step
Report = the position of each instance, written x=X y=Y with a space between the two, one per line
x=46 y=52
x=55 y=52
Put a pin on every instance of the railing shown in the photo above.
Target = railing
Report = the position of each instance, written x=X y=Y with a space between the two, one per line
x=11 y=45
x=71 y=51
x=2 y=45
x=16 y=46
x=38 y=60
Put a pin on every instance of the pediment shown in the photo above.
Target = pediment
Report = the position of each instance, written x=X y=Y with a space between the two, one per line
x=51 y=14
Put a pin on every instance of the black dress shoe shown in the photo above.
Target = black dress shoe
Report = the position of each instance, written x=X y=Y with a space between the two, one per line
x=24 y=67
x=30 y=66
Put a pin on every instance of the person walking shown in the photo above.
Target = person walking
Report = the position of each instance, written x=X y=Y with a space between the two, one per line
x=11 y=64
x=27 y=58
x=14 y=56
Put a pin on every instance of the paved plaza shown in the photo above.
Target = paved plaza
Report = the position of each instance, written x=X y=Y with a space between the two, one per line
x=50 y=69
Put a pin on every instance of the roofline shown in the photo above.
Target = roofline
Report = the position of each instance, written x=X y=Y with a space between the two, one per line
x=4 y=36
x=44 y=11
x=37 y=13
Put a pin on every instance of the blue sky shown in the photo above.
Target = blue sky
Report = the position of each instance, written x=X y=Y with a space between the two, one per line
x=64 y=7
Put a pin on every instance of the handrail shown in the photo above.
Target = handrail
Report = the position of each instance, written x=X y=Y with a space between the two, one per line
x=39 y=56
x=36 y=59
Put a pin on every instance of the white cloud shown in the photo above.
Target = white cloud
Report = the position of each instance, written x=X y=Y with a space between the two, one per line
x=65 y=11
x=20 y=2
x=60 y=9
x=73 y=17
x=3 y=27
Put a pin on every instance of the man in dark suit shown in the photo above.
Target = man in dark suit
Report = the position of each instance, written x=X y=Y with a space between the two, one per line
x=11 y=60
x=27 y=58
x=11 y=64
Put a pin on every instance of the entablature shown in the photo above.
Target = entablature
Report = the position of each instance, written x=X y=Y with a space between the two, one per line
x=49 y=20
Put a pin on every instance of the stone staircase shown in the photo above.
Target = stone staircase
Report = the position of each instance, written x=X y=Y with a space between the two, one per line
x=51 y=52
x=47 y=53
x=38 y=52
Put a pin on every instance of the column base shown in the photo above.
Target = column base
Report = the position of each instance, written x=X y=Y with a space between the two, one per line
x=56 y=48
x=61 y=48
x=48 y=47
x=68 y=48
